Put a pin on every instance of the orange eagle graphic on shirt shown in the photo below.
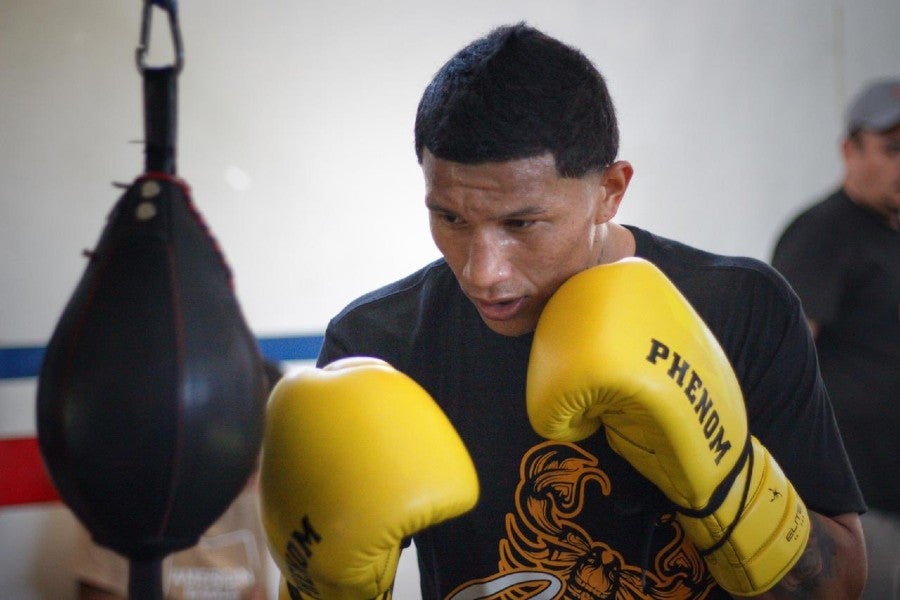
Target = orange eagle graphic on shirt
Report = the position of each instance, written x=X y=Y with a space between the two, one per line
x=546 y=555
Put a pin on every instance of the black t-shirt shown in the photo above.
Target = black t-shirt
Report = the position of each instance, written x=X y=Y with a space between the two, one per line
x=844 y=263
x=557 y=515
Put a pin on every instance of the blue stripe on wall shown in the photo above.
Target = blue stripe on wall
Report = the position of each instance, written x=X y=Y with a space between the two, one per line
x=297 y=347
x=22 y=362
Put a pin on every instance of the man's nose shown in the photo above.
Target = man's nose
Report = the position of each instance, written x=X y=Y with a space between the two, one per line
x=487 y=261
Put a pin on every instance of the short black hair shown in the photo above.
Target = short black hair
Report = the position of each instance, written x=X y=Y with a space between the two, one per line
x=519 y=93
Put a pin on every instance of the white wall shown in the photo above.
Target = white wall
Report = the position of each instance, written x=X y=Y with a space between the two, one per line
x=295 y=135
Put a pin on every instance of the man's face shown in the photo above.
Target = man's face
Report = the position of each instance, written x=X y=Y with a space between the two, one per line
x=873 y=169
x=513 y=232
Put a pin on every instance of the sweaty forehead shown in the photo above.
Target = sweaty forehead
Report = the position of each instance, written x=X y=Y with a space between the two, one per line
x=519 y=174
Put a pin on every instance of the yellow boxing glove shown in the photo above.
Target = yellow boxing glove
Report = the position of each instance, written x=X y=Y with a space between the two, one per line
x=356 y=457
x=618 y=346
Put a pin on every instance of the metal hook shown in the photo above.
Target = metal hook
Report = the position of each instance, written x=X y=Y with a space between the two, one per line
x=147 y=16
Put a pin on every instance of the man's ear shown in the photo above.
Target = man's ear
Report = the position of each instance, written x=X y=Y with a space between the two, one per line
x=614 y=183
x=850 y=148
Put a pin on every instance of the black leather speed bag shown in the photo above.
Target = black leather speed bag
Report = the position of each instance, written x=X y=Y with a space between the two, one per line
x=152 y=391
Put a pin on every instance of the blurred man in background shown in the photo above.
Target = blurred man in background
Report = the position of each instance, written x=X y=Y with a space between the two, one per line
x=842 y=256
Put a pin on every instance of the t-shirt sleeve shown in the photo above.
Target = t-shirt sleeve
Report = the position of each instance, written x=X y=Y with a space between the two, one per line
x=788 y=407
x=333 y=347
x=377 y=333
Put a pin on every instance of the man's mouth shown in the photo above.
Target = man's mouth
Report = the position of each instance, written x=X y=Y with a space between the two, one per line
x=499 y=311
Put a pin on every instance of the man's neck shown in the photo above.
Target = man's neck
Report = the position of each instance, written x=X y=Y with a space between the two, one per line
x=618 y=243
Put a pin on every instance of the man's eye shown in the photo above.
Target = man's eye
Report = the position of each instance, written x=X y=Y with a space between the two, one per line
x=519 y=224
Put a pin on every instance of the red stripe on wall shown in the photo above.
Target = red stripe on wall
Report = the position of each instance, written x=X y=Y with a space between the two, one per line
x=23 y=478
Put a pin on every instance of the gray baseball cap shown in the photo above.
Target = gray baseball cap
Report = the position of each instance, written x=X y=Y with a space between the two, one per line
x=876 y=108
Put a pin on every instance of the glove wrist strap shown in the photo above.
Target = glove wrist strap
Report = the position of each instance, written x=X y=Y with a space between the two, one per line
x=722 y=490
